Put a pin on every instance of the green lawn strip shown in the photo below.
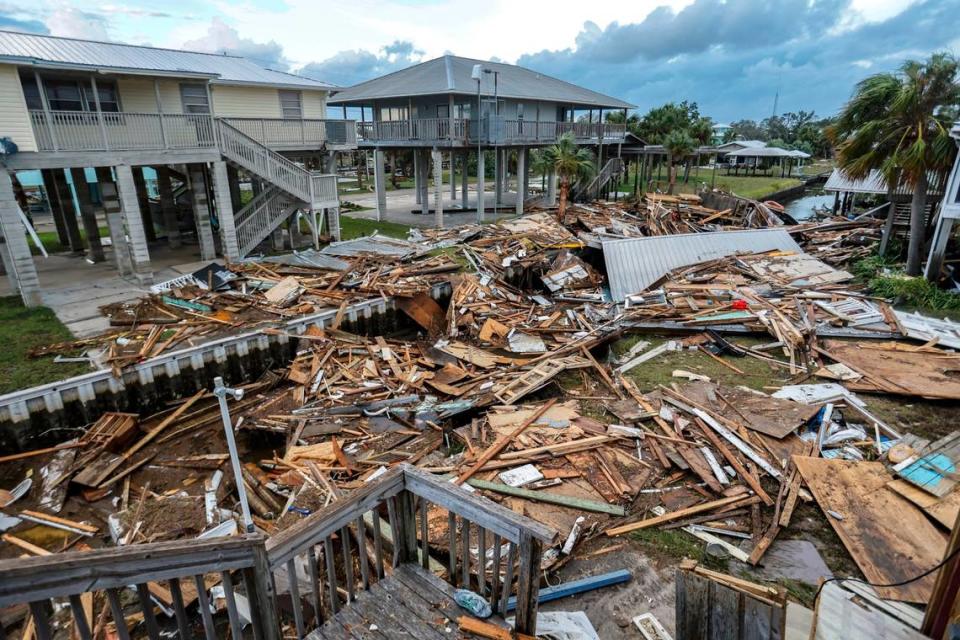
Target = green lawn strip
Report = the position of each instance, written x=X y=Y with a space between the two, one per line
x=23 y=329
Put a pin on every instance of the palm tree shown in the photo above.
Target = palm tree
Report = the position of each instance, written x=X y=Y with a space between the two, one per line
x=679 y=146
x=898 y=123
x=540 y=163
x=571 y=162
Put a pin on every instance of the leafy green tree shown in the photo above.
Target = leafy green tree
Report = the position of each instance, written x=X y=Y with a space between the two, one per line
x=571 y=163
x=898 y=123
x=746 y=130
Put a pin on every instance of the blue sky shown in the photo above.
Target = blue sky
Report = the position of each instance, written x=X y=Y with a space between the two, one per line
x=730 y=56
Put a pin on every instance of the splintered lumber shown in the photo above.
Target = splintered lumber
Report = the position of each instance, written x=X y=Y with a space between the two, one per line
x=502 y=443
x=144 y=441
x=741 y=446
x=890 y=539
x=488 y=630
x=676 y=515
x=26 y=546
x=58 y=523
x=551 y=498
x=39 y=452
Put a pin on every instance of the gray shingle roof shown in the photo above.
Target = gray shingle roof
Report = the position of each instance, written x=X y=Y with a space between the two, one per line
x=52 y=51
x=451 y=74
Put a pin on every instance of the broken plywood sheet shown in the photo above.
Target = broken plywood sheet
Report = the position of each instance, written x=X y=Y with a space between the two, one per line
x=890 y=540
x=896 y=368
x=944 y=510
x=425 y=311
x=558 y=517
x=768 y=415
x=504 y=419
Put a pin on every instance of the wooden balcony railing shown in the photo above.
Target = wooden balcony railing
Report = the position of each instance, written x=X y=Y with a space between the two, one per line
x=278 y=132
x=490 y=131
x=126 y=131
x=375 y=528
x=122 y=131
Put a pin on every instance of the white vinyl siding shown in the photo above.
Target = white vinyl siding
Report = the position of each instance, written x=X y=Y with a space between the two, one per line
x=14 y=119
x=315 y=105
x=245 y=102
x=291 y=104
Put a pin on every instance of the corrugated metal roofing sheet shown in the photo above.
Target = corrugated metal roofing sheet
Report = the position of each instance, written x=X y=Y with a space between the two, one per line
x=375 y=244
x=451 y=74
x=33 y=48
x=874 y=183
x=633 y=264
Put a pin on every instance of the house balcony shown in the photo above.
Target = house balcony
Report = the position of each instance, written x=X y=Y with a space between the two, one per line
x=126 y=131
x=463 y=132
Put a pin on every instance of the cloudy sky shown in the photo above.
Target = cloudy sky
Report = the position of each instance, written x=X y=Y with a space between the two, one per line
x=730 y=56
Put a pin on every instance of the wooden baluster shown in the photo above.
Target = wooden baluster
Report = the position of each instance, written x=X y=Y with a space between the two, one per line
x=424 y=536
x=362 y=553
x=314 y=586
x=482 y=555
x=41 y=620
x=177 y=596
x=149 y=618
x=465 y=551
x=116 y=610
x=528 y=584
x=236 y=631
x=347 y=562
x=80 y=618
x=508 y=578
x=210 y=632
x=294 y=585
x=377 y=544
x=331 y=574
x=394 y=527
x=495 y=574
x=452 y=533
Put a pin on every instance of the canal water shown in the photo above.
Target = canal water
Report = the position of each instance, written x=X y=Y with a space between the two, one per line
x=812 y=199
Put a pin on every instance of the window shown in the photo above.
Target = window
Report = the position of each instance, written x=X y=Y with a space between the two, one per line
x=71 y=94
x=392 y=114
x=291 y=105
x=519 y=111
x=443 y=111
x=194 y=98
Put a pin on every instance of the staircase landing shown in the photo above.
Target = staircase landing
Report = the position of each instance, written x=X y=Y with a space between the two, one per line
x=412 y=603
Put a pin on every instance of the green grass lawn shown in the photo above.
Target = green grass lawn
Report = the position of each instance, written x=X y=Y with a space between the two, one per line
x=22 y=329
x=51 y=241
x=356 y=227
x=754 y=187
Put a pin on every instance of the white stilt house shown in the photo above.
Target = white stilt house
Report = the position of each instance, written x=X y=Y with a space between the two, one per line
x=203 y=123
x=949 y=213
x=460 y=106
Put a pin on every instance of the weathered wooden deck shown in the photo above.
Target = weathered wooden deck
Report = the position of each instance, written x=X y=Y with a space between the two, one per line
x=411 y=603
x=368 y=577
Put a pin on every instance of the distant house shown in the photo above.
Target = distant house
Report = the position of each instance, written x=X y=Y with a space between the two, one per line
x=460 y=106
x=199 y=120
x=719 y=133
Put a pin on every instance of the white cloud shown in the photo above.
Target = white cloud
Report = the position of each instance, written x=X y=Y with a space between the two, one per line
x=74 y=23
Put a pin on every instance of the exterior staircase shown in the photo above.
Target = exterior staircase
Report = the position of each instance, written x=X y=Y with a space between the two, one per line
x=292 y=187
x=613 y=168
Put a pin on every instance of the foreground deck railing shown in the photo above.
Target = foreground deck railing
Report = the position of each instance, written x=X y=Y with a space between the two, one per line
x=336 y=551
x=279 y=132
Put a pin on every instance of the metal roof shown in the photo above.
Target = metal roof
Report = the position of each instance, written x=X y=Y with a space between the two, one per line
x=874 y=183
x=761 y=152
x=56 y=52
x=742 y=144
x=452 y=74
x=633 y=264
